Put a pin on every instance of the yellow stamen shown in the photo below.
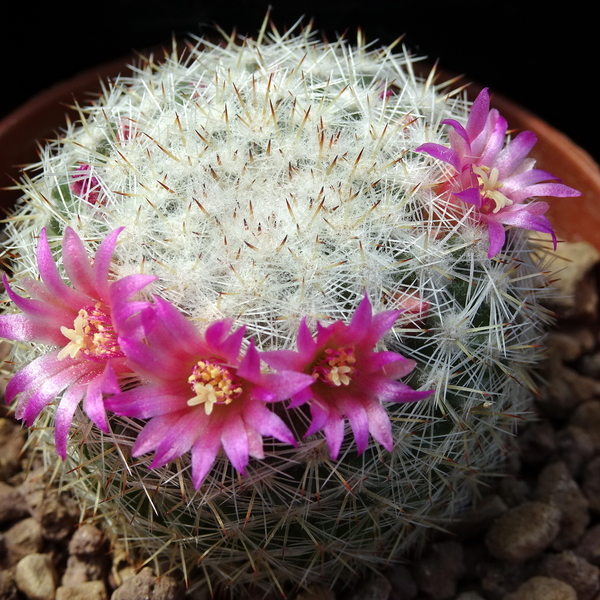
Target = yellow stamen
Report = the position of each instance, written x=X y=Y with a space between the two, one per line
x=212 y=383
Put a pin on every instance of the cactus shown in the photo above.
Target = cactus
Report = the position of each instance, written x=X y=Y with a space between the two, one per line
x=263 y=200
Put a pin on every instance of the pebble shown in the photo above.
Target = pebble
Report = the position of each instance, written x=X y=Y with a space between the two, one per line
x=57 y=519
x=574 y=570
x=556 y=486
x=83 y=568
x=515 y=490
x=87 y=539
x=543 y=588
x=146 y=586
x=523 y=532
x=537 y=442
x=376 y=587
x=438 y=571
x=23 y=538
x=12 y=439
x=587 y=417
x=589 y=545
x=12 y=506
x=35 y=576
x=478 y=520
x=404 y=586
x=498 y=578
x=591 y=483
x=8 y=589
x=575 y=447
x=89 y=590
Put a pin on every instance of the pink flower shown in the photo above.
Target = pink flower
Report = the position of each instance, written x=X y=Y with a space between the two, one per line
x=86 y=185
x=349 y=377
x=494 y=178
x=202 y=393
x=81 y=321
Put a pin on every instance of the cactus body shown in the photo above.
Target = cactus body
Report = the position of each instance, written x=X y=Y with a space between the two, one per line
x=267 y=182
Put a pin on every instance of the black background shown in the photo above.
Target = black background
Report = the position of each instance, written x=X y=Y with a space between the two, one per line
x=542 y=58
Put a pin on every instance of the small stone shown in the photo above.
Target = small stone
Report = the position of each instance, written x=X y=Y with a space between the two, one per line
x=12 y=439
x=589 y=365
x=574 y=570
x=523 y=532
x=404 y=586
x=577 y=295
x=589 y=545
x=543 y=588
x=438 y=572
x=23 y=538
x=12 y=506
x=563 y=347
x=87 y=539
x=478 y=520
x=469 y=596
x=515 y=491
x=556 y=486
x=146 y=586
x=56 y=518
x=82 y=568
x=587 y=417
x=373 y=588
x=498 y=578
x=8 y=589
x=575 y=447
x=35 y=577
x=537 y=442
x=591 y=483
x=89 y=590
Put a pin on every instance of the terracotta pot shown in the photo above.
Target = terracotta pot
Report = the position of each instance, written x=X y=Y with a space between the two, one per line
x=41 y=117
x=574 y=219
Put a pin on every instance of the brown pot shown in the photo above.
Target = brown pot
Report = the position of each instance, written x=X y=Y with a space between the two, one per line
x=575 y=219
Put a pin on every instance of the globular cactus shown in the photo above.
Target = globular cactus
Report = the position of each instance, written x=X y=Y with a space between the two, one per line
x=283 y=229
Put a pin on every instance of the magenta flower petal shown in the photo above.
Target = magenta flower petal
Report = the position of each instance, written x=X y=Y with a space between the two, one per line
x=26 y=329
x=479 y=114
x=79 y=321
x=348 y=375
x=497 y=236
x=203 y=393
x=154 y=432
x=492 y=178
x=145 y=402
x=334 y=432
x=51 y=278
x=442 y=153
x=102 y=260
x=64 y=417
x=357 y=417
x=204 y=454
x=267 y=423
x=77 y=265
x=379 y=425
x=515 y=153
x=35 y=399
x=179 y=439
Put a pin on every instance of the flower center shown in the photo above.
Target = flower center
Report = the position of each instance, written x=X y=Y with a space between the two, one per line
x=335 y=366
x=493 y=198
x=213 y=383
x=93 y=335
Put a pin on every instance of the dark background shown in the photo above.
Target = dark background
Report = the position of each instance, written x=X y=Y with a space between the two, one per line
x=546 y=60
